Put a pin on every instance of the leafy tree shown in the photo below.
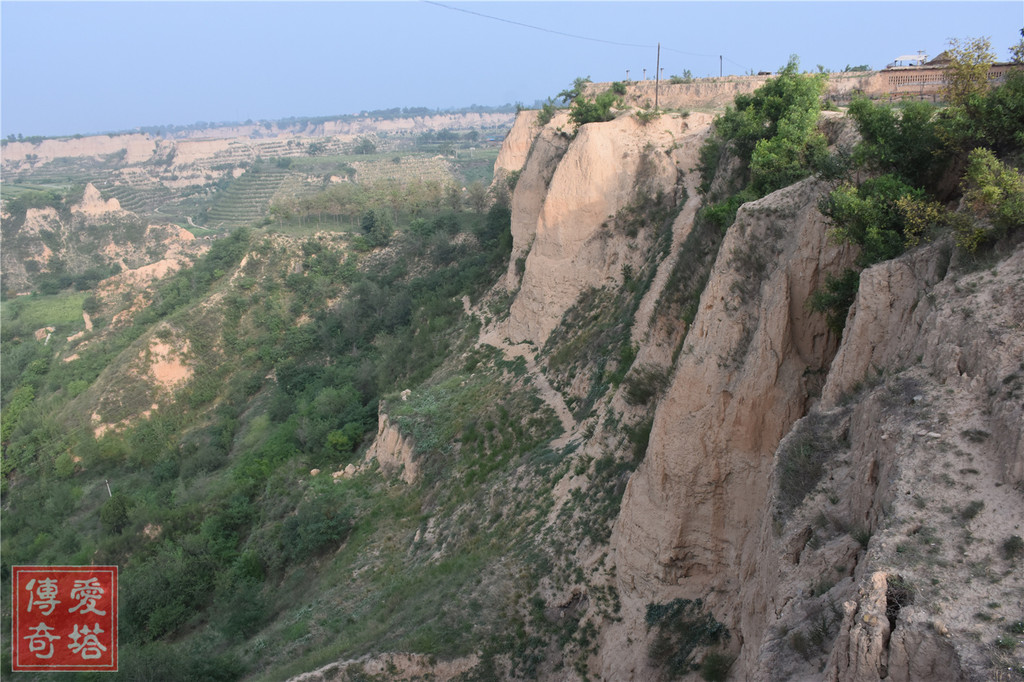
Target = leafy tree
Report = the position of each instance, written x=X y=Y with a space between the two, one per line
x=1017 y=51
x=757 y=116
x=994 y=120
x=573 y=93
x=453 y=197
x=870 y=216
x=781 y=160
x=967 y=74
x=365 y=146
x=476 y=196
x=835 y=298
x=994 y=192
x=377 y=227
x=114 y=513
x=904 y=141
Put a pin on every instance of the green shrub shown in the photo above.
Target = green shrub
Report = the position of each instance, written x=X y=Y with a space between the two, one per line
x=595 y=110
x=994 y=191
x=643 y=384
x=788 y=102
x=683 y=625
x=645 y=116
x=903 y=141
x=715 y=666
x=786 y=157
x=317 y=525
x=835 y=297
x=971 y=510
x=1013 y=547
x=547 y=112
x=114 y=512
x=870 y=216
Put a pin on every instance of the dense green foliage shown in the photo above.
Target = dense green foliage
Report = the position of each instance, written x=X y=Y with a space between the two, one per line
x=915 y=148
x=773 y=134
x=869 y=215
x=596 y=110
x=773 y=130
x=213 y=507
x=903 y=141
x=922 y=159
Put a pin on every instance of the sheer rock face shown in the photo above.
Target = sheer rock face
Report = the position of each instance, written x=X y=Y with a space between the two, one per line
x=562 y=212
x=546 y=149
x=692 y=513
x=516 y=147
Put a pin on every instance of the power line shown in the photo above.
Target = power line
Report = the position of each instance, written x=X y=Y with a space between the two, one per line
x=536 y=28
x=576 y=36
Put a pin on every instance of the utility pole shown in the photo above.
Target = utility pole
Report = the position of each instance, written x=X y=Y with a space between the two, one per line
x=627 y=75
x=657 y=78
x=109 y=494
x=719 y=66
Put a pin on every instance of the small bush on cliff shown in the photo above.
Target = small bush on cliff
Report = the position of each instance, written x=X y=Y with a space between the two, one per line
x=683 y=626
x=801 y=459
x=547 y=112
x=595 y=110
x=835 y=298
x=644 y=383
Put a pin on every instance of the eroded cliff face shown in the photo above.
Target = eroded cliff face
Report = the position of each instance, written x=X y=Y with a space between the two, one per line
x=915 y=416
x=567 y=195
x=690 y=516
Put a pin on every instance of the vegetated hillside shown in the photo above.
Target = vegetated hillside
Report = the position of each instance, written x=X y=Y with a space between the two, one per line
x=53 y=241
x=737 y=398
x=222 y=178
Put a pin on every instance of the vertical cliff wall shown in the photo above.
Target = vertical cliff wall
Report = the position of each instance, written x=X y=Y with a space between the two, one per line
x=568 y=195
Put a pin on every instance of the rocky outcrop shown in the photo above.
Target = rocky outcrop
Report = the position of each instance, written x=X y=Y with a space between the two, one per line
x=531 y=189
x=691 y=514
x=93 y=205
x=393 y=451
x=571 y=247
x=862 y=650
x=516 y=147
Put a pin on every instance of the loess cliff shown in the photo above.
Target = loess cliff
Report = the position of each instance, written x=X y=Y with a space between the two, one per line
x=874 y=571
x=598 y=430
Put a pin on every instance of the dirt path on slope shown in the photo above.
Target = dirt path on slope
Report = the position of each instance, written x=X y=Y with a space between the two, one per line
x=554 y=399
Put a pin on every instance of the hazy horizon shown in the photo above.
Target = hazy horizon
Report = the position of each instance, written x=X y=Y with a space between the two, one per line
x=83 y=67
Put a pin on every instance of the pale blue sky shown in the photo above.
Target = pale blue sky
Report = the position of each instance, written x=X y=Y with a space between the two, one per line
x=85 y=67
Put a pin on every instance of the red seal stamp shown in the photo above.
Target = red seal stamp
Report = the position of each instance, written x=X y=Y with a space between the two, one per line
x=64 y=618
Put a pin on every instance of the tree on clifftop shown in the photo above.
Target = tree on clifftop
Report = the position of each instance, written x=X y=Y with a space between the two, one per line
x=967 y=75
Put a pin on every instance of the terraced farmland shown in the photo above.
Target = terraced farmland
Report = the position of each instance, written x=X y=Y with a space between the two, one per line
x=246 y=199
